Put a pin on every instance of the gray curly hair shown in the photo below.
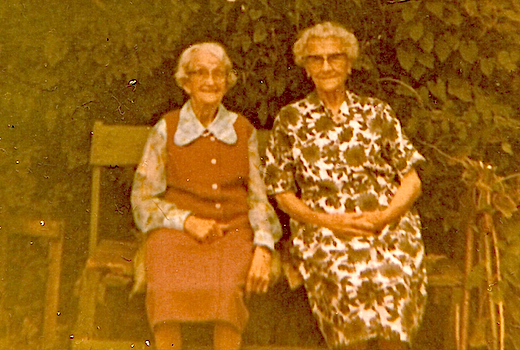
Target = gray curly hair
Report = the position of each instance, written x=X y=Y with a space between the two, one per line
x=325 y=30
x=216 y=49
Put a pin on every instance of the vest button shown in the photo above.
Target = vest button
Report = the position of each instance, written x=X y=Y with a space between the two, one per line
x=212 y=138
x=213 y=161
x=214 y=186
x=218 y=205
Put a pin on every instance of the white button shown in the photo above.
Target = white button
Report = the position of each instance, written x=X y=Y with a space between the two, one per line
x=212 y=138
x=218 y=205
x=214 y=186
x=213 y=161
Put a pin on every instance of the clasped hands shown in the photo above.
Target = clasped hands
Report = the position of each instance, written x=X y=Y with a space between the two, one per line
x=368 y=223
x=208 y=230
x=204 y=230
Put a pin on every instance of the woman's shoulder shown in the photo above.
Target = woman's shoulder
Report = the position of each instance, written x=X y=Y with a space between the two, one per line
x=242 y=124
x=366 y=101
x=170 y=116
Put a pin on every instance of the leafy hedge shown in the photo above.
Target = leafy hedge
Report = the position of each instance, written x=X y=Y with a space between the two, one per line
x=450 y=69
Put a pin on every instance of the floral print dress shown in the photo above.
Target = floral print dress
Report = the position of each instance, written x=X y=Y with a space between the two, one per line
x=362 y=287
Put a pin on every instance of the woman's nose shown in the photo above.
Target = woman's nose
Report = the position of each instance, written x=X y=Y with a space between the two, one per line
x=326 y=65
x=210 y=80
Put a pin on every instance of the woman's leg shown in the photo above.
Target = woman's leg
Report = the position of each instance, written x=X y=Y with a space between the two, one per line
x=392 y=345
x=168 y=336
x=226 y=337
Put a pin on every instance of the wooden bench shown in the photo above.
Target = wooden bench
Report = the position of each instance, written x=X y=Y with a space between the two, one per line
x=110 y=262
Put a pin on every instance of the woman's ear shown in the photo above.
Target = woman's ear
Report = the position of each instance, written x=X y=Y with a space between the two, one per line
x=349 y=67
x=186 y=87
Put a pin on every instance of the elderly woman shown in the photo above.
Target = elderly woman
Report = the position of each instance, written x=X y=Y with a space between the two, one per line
x=199 y=197
x=342 y=169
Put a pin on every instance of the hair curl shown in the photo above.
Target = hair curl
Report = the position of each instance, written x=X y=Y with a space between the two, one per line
x=325 y=30
x=216 y=49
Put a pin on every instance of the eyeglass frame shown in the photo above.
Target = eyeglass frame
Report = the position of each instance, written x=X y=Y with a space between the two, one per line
x=333 y=59
x=205 y=74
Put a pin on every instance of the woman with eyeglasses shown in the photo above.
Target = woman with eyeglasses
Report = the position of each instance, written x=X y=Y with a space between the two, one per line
x=340 y=166
x=199 y=197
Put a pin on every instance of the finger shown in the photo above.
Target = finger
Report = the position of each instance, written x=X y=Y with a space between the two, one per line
x=219 y=231
x=257 y=284
x=263 y=286
x=362 y=225
x=357 y=215
x=249 y=285
x=225 y=227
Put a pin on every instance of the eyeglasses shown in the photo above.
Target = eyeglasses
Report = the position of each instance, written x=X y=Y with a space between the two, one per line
x=204 y=74
x=333 y=59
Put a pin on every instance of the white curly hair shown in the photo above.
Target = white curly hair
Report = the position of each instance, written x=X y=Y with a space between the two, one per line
x=216 y=49
x=325 y=30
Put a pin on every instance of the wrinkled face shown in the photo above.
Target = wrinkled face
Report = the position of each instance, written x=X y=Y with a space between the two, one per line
x=207 y=82
x=327 y=64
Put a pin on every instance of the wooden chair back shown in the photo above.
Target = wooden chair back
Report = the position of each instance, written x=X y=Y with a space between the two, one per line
x=112 y=145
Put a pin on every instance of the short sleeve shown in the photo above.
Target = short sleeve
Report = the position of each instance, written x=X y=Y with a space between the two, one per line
x=280 y=164
x=397 y=148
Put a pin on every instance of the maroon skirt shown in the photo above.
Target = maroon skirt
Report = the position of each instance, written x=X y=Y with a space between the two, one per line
x=188 y=281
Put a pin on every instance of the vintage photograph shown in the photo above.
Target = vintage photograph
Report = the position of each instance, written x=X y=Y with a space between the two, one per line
x=260 y=175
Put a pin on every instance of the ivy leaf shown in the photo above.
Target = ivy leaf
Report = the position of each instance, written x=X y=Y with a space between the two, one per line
x=454 y=16
x=442 y=49
x=469 y=51
x=471 y=116
x=417 y=72
x=401 y=32
x=506 y=147
x=438 y=89
x=408 y=13
x=437 y=8
x=255 y=14
x=427 y=41
x=416 y=30
x=483 y=103
x=260 y=33
x=460 y=89
x=426 y=59
x=487 y=65
x=406 y=58
x=471 y=7
x=193 y=5
x=424 y=92
x=505 y=60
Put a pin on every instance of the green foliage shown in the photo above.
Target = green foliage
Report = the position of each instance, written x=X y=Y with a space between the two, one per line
x=450 y=69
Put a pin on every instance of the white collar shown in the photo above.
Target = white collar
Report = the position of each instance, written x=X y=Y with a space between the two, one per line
x=190 y=128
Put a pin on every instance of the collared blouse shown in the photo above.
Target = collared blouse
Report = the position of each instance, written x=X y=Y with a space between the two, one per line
x=151 y=211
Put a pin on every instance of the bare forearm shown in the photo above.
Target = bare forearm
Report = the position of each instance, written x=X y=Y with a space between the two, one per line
x=299 y=211
x=404 y=198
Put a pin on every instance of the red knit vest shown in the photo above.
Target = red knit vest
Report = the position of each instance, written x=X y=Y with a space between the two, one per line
x=207 y=176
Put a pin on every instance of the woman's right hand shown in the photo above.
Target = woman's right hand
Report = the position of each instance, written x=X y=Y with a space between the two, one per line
x=341 y=224
x=203 y=230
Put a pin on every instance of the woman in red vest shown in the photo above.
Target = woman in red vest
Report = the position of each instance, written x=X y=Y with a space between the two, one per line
x=199 y=198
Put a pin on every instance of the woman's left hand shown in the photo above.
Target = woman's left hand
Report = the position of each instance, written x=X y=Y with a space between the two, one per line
x=258 y=276
x=373 y=221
